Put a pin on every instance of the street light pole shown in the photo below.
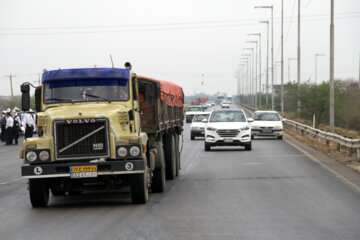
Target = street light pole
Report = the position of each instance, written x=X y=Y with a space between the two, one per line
x=332 y=70
x=316 y=66
x=249 y=76
x=267 y=64
x=271 y=7
x=253 y=79
x=260 y=63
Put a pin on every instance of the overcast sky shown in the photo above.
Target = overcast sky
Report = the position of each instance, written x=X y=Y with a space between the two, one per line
x=167 y=39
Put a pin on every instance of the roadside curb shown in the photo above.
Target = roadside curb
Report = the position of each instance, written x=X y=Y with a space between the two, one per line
x=347 y=175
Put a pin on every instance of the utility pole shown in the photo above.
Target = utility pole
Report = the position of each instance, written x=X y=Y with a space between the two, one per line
x=282 y=56
x=332 y=70
x=316 y=66
x=271 y=7
x=247 y=58
x=267 y=64
x=299 y=59
x=10 y=76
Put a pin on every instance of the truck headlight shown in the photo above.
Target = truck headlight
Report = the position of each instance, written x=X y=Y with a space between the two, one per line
x=44 y=155
x=134 y=151
x=122 y=152
x=31 y=156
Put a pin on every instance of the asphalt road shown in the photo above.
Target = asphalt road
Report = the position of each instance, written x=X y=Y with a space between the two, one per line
x=274 y=192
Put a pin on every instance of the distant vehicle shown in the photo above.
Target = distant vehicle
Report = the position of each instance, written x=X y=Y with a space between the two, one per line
x=267 y=123
x=225 y=105
x=197 y=128
x=199 y=100
x=228 y=128
x=191 y=110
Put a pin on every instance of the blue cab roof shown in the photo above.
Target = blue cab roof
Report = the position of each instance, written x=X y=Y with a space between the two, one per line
x=85 y=73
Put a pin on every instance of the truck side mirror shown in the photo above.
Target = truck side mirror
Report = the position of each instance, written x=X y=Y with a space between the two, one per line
x=38 y=98
x=25 y=97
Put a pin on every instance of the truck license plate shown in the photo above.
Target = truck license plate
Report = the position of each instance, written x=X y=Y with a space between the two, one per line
x=85 y=171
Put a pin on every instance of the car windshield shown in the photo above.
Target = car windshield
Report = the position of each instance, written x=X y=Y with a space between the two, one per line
x=228 y=116
x=84 y=90
x=267 y=117
x=195 y=109
x=200 y=117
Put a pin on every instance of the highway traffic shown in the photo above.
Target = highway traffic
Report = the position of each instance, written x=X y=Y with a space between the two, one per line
x=272 y=192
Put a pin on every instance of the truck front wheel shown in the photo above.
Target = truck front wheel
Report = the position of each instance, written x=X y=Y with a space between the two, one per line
x=39 y=193
x=139 y=188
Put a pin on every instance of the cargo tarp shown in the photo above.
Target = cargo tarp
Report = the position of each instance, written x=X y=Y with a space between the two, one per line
x=170 y=93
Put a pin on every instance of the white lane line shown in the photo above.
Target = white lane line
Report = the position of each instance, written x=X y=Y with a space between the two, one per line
x=313 y=158
x=11 y=181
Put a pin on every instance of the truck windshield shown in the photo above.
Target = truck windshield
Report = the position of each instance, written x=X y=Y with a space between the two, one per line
x=86 y=90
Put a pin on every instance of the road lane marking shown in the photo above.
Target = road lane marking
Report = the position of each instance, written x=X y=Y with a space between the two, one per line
x=11 y=181
x=313 y=158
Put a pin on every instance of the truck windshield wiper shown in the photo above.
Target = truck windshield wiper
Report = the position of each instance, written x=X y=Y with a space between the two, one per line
x=95 y=96
x=60 y=99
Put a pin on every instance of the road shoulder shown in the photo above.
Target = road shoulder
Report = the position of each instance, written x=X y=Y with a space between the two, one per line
x=347 y=175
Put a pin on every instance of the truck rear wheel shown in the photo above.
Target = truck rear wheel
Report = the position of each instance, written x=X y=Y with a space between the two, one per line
x=139 y=188
x=170 y=158
x=159 y=178
x=39 y=193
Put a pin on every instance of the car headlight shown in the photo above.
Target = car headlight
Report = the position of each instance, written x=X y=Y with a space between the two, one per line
x=134 y=151
x=31 y=156
x=44 y=155
x=245 y=128
x=122 y=151
x=211 y=129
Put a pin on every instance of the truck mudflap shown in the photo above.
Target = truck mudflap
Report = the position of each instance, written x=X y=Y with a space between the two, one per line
x=82 y=170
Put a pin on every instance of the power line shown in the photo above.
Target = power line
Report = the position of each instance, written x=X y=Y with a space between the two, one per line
x=23 y=31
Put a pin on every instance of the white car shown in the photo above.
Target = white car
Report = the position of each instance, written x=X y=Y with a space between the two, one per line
x=267 y=123
x=225 y=105
x=191 y=111
x=197 y=127
x=228 y=128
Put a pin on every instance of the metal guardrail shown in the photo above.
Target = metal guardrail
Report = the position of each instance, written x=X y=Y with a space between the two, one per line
x=353 y=145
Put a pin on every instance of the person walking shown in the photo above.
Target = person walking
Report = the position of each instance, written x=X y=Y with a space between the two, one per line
x=16 y=128
x=2 y=125
x=29 y=124
x=9 y=128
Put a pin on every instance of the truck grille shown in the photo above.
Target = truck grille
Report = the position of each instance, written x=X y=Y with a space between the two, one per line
x=228 y=133
x=81 y=139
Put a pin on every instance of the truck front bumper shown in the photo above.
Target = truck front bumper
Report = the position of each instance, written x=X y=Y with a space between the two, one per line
x=63 y=170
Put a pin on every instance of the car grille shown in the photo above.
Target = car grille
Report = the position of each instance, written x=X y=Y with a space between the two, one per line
x=228 y=133
x=81 y=139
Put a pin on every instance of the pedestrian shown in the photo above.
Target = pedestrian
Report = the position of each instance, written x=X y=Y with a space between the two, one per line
x=28 y=123
x=2 y=125
x=9 y=127
x=16 y=127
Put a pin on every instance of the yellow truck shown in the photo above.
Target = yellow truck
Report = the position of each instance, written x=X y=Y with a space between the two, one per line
x=101 y=129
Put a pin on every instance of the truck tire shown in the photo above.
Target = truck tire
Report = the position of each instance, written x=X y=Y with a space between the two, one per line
x=207 y=147
x=159 y=176
x=248 y=146
x=139 y=188
x=170 y=158
x=39 y=193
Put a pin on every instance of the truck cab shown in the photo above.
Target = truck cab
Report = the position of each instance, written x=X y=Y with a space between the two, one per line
x=101 y=128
